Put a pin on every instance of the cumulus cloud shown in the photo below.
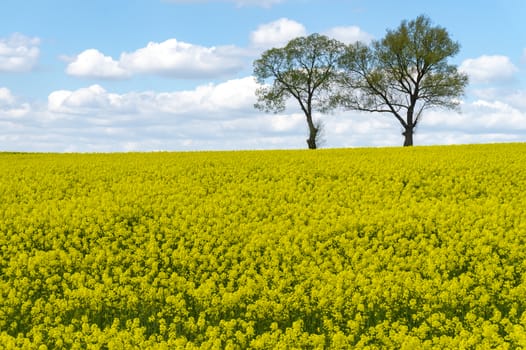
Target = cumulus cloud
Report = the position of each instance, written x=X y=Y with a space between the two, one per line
x=178 y=59
x=277 y=33
x=205 y=101
x=211 y=116
x=82 y=101
x=182 y=60
x=349 y=34
x=513 y=97
x=11 y=107
x=480 y=121
x=222 y=116
x=93 y=64
x=486 y=69
x=168 y=58
x=281 y=31
x=18 y=53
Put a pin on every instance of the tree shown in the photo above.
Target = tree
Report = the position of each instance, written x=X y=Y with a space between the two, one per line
x=403 y=74
x=305 y=69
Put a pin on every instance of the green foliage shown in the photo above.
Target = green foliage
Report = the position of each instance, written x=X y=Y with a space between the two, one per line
x=403 y=74
x=366 y=248
x=305 y=69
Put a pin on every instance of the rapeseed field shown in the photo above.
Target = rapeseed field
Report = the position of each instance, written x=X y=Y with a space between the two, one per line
x=393 y=248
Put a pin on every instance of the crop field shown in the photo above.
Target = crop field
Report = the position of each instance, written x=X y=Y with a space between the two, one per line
x=402 y=248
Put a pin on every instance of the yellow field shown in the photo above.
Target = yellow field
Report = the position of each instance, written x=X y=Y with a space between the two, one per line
x=410 y=248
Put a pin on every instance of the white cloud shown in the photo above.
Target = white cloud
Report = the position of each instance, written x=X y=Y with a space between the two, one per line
x=513 y=97
x=18 y=53
x=11 y=107
x=349 y=34
x=211 y=116
x=480 y=121
x=6 y=97
x=82 y=101
x=182 y=60
x=222 y=116
x=206 y=101
x=93 y=64
x=178 y=59
x=171 y=58
x=486 y=69
x=277 y=33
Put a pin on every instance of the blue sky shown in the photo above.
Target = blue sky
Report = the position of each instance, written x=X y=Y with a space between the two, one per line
x=143 y=75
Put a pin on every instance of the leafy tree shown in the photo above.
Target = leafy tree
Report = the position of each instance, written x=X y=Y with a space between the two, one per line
x=305 y=69
x=403 y=74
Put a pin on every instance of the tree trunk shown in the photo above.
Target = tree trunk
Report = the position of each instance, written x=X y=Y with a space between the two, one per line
x=408 y=136
x=313 y=131
x=311 y=143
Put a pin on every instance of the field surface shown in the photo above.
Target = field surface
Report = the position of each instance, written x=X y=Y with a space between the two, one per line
x=415 y=248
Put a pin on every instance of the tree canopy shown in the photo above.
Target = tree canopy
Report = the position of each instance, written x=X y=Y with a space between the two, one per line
x=305 y=69
x=403 y=74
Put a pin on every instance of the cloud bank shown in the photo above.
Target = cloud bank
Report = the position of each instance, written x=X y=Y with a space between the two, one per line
x=221 y=117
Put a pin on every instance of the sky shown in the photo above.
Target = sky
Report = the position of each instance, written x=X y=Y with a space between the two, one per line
x=177 y=75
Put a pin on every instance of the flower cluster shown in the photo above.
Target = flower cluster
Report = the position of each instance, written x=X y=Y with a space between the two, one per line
x=363 y=248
